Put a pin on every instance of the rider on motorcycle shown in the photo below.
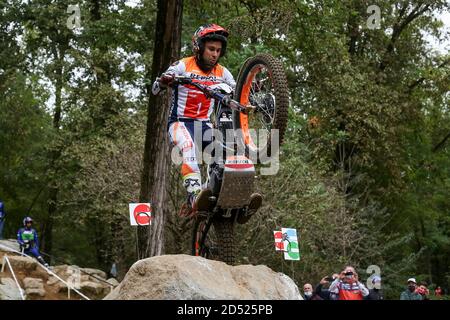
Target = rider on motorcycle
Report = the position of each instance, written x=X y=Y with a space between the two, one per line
x=191 y=109
x=28 y=240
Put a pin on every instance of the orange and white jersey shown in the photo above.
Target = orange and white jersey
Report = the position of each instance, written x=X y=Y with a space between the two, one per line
x=188 y=101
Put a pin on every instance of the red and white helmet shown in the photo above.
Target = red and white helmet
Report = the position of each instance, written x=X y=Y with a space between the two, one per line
x=209 y=32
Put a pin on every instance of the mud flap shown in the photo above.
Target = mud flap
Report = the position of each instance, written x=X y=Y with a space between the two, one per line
x=237 y=184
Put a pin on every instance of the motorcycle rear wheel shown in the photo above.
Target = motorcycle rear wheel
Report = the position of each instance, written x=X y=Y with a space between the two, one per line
x=214 y=239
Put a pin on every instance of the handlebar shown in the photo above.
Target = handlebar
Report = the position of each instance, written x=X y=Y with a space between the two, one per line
x=211 y=93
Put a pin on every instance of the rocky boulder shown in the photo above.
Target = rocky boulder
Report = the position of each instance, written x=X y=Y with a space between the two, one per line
x=113 y=282
x=86 y=274
x=23 y=264
x=94 y=272
x=34 y=287
x=187 y=277
x=63 y=270
x=32 y=283
x=60 y=269
x=91 y=288
x=8 y=245
x=39 y=273
x=52 y=281
x=37 y=283
x=9 y=290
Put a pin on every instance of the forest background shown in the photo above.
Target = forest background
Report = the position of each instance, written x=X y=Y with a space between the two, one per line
x=364 y=169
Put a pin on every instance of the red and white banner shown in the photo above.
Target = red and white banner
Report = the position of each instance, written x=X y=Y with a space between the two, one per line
x=286 y=241
x=140 y=214
x=279 y=244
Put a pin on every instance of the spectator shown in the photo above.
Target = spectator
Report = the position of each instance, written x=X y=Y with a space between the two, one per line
x=113 y=271
x=28 y=240
x=347 y=286
x=438 y=292
x=324 y=294
x=375 y=293
x=423 y=290
x=410 y=293
x=307 y=291
x=2 y=218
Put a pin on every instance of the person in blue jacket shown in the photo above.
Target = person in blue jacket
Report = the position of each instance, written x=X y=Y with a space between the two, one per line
x=28 y=239
x=2 y=218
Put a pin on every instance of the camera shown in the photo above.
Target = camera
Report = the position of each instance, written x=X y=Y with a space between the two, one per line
x=349 y=273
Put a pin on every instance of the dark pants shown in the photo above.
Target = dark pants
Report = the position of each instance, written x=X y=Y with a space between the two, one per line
x=34 y=252
x=2 y=224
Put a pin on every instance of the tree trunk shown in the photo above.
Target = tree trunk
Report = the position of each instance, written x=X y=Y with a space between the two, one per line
x=102 y=67
x=47 y=238
x=155 y=174
x=428 y=255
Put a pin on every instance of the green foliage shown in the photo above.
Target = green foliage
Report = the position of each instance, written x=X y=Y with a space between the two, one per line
x=364 y=173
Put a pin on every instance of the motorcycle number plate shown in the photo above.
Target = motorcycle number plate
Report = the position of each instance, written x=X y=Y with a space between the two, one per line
x=237 y=184
x=239 y=163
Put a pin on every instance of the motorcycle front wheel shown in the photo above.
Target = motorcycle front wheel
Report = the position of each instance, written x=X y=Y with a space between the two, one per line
x=262 y=83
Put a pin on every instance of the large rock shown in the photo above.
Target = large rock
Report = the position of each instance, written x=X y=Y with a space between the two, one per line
x=40 y=273
x=24 y=264
x=34 y=292
x=113 y=282
x=8 y=245
x=188 y=277
x=34 y=287
x=85 y=277
x=86 y=274
x=65 y=269
x=110 y=284
x=33 y=283
x=61 y=287
x=94 y=272
x=52 y=281
x=73 y=278
x=9 y=289
x=92 y=288
x=1 y=257
x=82 y=284
x=60 y=268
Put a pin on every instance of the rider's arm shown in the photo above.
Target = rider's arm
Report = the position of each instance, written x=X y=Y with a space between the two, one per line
x=36 y=242
x=19 y=237
x=2 y=211
x=228 y=78
x=176 y=69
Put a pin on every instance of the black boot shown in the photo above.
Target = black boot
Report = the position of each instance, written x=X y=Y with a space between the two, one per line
x=42 y=261
x=255 y=204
